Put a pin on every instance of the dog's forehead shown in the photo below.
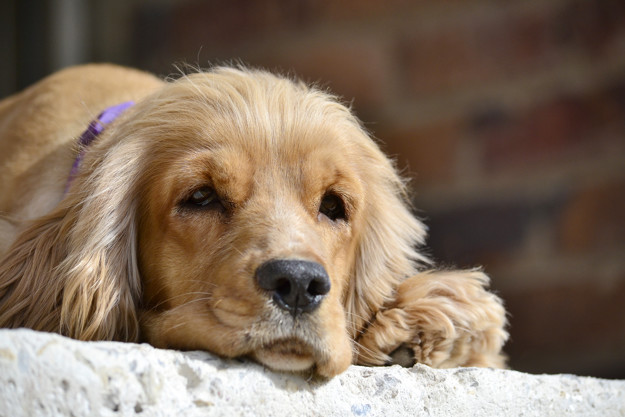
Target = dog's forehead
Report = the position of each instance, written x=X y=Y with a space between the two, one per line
x=255 y=128
x=274 y=143
x=228 y=163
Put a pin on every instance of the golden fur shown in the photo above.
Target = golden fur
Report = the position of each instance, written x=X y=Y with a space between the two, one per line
x=121 y=257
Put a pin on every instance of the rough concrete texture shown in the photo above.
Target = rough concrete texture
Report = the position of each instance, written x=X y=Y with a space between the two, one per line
x=44 y=374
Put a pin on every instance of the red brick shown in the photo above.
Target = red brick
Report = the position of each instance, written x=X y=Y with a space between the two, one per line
x=575 y=320
x=508 y=44
x=427 y=153
x=549 y=131
x=358 y=9
x=224 y=24
x=592 y=26
x=490 y=232
x=478 y=49
x=594 y=218
x=480 y=235
x=541 y=131
x=355 y=68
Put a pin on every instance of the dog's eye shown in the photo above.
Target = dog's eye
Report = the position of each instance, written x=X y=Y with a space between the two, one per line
x=332 y=207
x=203 y=197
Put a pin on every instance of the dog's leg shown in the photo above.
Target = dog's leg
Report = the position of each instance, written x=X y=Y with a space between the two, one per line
x=439 y=318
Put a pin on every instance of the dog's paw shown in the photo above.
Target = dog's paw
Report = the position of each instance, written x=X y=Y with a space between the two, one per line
x=384 y=335
x=444 y=318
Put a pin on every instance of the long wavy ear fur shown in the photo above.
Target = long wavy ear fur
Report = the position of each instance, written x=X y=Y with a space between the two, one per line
x=387 y=252
x=74 y=271
x=30 y=295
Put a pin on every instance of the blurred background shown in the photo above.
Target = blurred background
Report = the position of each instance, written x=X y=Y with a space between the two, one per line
x=509 y=117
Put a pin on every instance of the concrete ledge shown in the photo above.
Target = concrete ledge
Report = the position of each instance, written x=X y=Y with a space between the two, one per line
x=44 y=374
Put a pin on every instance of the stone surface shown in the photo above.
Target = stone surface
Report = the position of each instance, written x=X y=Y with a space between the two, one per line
x=47 y=375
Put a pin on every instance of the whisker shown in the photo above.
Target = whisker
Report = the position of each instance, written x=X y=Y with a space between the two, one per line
x=181 y=306
x=207 y=294
x=368 y=352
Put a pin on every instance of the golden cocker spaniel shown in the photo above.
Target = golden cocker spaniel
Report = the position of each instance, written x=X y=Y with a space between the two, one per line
x=233 y=211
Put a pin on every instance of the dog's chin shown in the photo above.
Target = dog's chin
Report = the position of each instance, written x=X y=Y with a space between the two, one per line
x=289 y=355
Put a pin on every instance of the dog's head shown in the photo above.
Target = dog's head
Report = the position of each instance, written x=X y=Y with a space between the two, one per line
x=237 y=212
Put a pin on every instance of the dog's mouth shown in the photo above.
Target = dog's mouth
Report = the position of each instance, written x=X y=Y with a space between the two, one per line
x=289 y=354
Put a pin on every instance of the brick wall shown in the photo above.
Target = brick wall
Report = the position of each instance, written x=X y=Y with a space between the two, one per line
x=510 y=117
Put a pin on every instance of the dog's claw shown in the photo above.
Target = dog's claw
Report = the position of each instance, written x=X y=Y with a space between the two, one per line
x=403 y=356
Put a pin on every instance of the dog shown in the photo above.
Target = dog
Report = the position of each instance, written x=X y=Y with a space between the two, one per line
x=234 y=211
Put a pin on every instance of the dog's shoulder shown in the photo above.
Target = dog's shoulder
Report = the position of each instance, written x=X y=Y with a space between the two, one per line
x=39 y=126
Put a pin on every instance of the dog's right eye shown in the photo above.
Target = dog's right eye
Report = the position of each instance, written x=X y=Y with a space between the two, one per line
x=332 y=207
x=204 y=197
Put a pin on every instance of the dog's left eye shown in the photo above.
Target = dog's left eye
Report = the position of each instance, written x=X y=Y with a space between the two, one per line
x=204 y=197
x=332 y=207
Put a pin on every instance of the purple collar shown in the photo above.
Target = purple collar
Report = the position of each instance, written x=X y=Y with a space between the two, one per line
x=93 y=131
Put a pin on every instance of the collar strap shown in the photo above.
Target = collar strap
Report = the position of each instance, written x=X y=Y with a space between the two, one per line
x=95 y=128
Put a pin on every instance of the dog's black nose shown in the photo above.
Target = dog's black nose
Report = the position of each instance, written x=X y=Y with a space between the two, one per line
x=297 y=286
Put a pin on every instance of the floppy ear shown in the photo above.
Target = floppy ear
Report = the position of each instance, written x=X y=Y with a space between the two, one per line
x=74 y=271
x=387 y=249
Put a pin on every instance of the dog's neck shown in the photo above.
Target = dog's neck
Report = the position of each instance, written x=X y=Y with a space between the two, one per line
x=95 y=128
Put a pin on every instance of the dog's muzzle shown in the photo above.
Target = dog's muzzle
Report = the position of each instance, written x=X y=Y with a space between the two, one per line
x=296 y=286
